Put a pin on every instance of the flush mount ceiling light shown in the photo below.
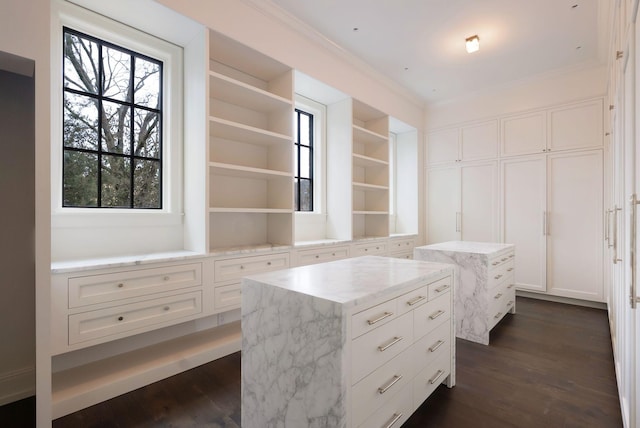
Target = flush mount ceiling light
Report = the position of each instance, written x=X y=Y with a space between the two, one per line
x=472 y=43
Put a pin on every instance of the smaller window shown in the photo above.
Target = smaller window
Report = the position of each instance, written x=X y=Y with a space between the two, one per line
x=304 y=158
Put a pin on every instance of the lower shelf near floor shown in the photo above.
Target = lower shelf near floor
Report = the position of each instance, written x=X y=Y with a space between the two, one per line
x=80 y=387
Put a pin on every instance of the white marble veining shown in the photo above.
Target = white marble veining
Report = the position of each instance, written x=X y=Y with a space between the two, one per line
x=295 y=371
x=472 y=282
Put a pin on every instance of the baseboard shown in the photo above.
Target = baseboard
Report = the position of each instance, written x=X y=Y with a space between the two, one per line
x=559 y=299
x=17 y=384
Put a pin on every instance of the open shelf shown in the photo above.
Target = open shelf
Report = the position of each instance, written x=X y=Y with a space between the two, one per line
x=230 y=170
x=369 y=187
x=236 y=131
x=366 y=161
x=233 y=228
x=366 y=136
x=233 y=91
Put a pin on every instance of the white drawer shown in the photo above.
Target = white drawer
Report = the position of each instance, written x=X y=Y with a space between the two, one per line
x=319 y=255
x=230 y=269
x=500 y=307
x=427 y=317
x=431 y=377
x=109 y=287
x=413 y=300
x=431 y=346
x=227 y=297
x=370 y=248
x=373 y=317
x=105 y=322
x=440 y=287
x=377 y=388
x=499 y=274
x=401 y=245
x=498 y=261
x=408 y=255
x=395 y=412
x=378 y=346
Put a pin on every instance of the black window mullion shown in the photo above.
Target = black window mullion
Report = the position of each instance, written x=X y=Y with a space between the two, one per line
x=132 y=72
x=100 y=114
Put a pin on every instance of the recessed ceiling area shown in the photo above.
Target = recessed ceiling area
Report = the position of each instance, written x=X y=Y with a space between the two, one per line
x=421 y=43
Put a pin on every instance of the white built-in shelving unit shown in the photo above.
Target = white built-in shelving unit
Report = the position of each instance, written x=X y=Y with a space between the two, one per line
x=250 y=174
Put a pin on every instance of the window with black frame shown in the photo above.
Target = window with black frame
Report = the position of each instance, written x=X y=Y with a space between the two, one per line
x=112 y=125
x=303 y=155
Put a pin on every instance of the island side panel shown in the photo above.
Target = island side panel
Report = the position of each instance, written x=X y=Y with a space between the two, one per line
x=293 y=359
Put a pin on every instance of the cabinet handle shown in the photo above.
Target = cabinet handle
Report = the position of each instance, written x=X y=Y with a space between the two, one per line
x=458 y=221
x=317 y=256
x=166 y=308
x=436 y=377
x=395 y=418
x=415 y=300
x=395 y=340
x=510 y=270
x=495 y=263
x=166 y=278
x=512 y=256
x=268 y=263
x=633 y=299
x=607 y=217
x=435 y=315
x=497 y=296
x=434 y=347
x=120 y=285
x=241 y=267
x=380 y=318
x=510 y=303
x=614 y=211
x=120 y=318
x=442 y=288
x=392 y=382
x=544 y=223
x=497 y=276
x=504 y=259
x=498 y=315
x=510 y=286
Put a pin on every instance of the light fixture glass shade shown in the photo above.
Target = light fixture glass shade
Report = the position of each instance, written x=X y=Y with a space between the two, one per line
x=473 y=44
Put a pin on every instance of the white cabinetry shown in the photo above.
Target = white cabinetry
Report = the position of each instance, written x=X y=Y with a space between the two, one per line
x=475 y=141
x=523 y=134
x=462 y=203
x=250 y=148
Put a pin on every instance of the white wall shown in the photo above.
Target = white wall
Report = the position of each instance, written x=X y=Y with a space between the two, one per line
x=24 y=31
x=544 y=91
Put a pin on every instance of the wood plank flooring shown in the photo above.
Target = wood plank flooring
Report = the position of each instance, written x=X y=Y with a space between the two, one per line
x=550 y=365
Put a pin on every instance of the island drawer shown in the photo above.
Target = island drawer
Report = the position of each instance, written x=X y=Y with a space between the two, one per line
x=370 y=249
x=374 y=317
x=324 y=254
x=236 y=268
x=440 y=287
x=431 y=346
x=427 y=317
x=427 y=380
x=413 y=300
x=393 y=413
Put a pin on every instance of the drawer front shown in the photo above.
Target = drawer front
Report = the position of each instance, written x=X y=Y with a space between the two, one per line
x=499 y=274
x=440 y=287
x=375 y=348
x=109 y=287
x=394 y=413
x=501 y=306
x=377 y=388
x=227 y=297
x=234 y=269
x=370 y=249
x=408 y=255
x=427 y=317
x=319 y=255
x=432 y=346
x=372 y=318
x=105 y=322
x=431 y=377
x=401 y=245
x=413 y=300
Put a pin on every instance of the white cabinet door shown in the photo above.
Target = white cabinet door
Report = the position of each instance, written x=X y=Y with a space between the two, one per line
x=478 y=192
x=523 y=209
x=442 y=146
x=479 y=141
x=575 y=126
x=524 y=134
x=574 y=225
x=443 y=204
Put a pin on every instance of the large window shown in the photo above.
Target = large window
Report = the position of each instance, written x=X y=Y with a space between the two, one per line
x=304 y=160
x=112 y=125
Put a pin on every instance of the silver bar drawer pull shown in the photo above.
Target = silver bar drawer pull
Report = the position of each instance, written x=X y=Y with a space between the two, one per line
x=442 y=288
x=497 y=296
x=498 y=315
x=438 y=344
x=510 y=270
x=435 y=378
x=395 y=418
x=498 y=276
x=415 y=300
x=510 y=285
x=510 y=303
x=392 y=382
x=435 y=315
x=380 y=318
x=395 y=340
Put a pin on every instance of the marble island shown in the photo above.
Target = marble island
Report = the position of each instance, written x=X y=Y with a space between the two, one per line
x=349 y=343
x=485 y=283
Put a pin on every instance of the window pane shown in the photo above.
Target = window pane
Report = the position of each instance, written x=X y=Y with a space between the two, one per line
x=80 y=63
x=116 y=179
x=146 y=190
x=146 y=134
x=80 y=179
x=80 y=122
x=116 y=128
x=305 y=164
x=147 y=83
x=304 y=130
x=296 y=202
x=117 y=74
x=306 y=196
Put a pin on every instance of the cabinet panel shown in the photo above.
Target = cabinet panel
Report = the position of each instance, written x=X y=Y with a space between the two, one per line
x=443 y=205
x=576 y=126
x=442 y=146
x=479 y=141
x=523 y=211
x=574 y=225
x=524 y=134
x=479 y=186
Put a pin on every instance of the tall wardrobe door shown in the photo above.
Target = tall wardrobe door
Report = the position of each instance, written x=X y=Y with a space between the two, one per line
x=443 y=204
x=479 y=200
x=574 y=233
x=524 y=206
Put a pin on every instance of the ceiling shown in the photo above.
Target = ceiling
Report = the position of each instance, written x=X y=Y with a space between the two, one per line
x=420 y=43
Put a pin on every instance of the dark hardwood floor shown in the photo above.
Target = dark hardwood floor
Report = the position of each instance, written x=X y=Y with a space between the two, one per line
x=550 y=365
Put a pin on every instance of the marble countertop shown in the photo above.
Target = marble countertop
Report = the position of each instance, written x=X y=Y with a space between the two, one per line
x=354 y=281
x=469 y=247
